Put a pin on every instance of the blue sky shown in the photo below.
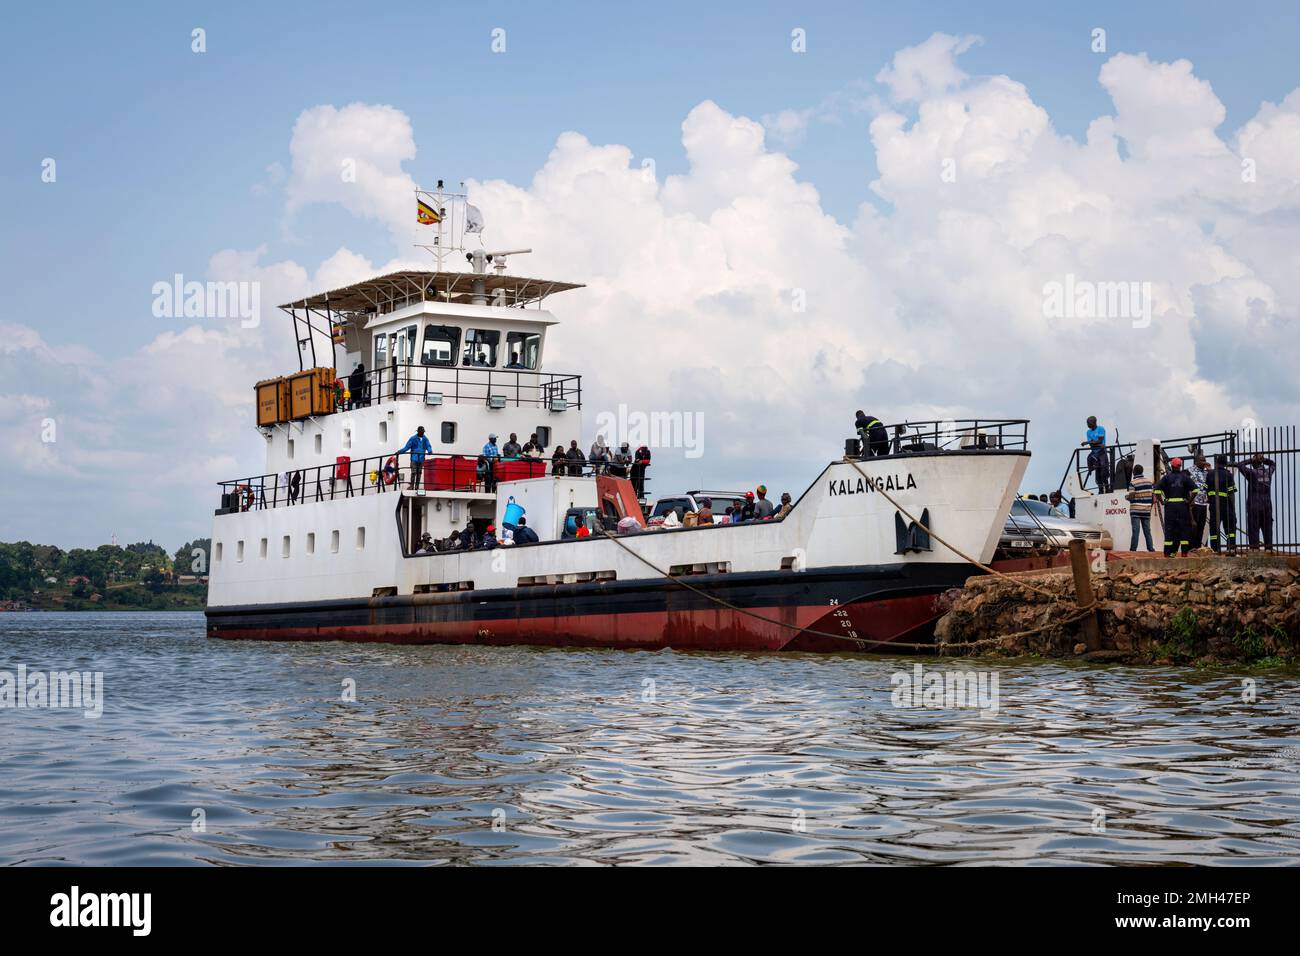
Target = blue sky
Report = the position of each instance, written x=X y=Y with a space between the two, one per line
x=159 y=149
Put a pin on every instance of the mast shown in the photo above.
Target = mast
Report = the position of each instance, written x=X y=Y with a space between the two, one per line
x=450 y=235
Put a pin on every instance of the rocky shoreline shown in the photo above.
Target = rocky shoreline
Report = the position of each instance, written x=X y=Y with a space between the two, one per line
x=1204 y=608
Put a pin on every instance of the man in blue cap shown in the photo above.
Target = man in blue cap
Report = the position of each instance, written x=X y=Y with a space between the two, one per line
x=418 y=445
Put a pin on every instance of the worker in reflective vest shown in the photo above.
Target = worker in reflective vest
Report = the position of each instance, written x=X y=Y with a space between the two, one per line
x=875 y=439
x=1222 y=488
x=1175 y=491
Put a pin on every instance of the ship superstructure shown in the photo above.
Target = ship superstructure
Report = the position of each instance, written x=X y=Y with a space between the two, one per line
x=335 y=539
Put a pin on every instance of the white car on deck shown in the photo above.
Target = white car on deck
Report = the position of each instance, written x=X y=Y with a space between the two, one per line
x=1030 y=515
x=690 y=501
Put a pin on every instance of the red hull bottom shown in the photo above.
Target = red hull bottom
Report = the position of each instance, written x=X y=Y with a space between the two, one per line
x=856 y=626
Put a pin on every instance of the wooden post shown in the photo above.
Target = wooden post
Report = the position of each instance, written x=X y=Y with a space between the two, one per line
x=1083 y=593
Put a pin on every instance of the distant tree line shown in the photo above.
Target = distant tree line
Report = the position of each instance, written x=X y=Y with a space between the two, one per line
x=28 y=570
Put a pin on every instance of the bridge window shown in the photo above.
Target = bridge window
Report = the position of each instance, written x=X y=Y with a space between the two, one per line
x=383 y=433
x=239 y=551
x=334 y=542
x=263 y=548
x=319 y=442
x=440 y=343
x=291 y=449
x=381 y=350
x=220 y=549
x=481 y=348
x=284 y=547
x=361 y=539
x=523 y=349
x=311 y=542
x=448 y=433
x=543 y=436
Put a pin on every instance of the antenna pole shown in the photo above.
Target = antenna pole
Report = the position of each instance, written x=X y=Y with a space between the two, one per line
x=442 y=214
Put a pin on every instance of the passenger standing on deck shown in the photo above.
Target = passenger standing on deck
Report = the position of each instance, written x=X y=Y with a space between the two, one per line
x=418 y=445
x=1223 y=506
x=763 y=507
x=357 y=386
x=525 y=534
x=747 y=510
x=1123 y=472
x=1199 y=472
x=599 y=455
x=786 y=505
x=875 y=437
x=1176 y=490
x=622 y=461
x=558 y=467
x=485 y=471
x=1057 y=501
x=1098 y=459
x=1259 y=502
x=640 y=462
x=487 y=464
x=705 y=514
x=511 y=448
x=575 y=459
x=1139 y=507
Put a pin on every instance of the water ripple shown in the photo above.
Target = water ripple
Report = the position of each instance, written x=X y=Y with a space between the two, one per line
x=211 y=752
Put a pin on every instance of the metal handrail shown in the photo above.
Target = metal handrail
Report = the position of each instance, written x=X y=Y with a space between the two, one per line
x=954 y=434
x=325 y=482
x=519 y=387
x=1215 y=443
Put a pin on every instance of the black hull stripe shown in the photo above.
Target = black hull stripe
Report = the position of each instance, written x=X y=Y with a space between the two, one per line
x=750 y=590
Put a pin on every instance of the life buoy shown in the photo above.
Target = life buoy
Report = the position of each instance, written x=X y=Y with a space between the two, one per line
x=390 y=470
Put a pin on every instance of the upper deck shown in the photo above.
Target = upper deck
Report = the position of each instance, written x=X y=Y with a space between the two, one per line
x=460 y=353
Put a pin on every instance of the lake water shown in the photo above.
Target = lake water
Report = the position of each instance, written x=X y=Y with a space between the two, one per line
x=228 y=752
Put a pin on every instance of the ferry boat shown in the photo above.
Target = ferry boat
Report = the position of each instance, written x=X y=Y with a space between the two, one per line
x=328 y=542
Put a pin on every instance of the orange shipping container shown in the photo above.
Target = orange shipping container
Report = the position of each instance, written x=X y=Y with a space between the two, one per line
x=272 y=401
x=311 y=392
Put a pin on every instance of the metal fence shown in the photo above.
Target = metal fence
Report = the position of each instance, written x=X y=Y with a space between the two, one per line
x=1277 y=444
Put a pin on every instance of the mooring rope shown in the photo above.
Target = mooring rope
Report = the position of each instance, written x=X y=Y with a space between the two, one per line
x=860 y=641
x=955 y=550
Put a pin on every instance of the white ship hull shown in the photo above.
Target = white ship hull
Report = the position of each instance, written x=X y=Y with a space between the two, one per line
x=337 y=569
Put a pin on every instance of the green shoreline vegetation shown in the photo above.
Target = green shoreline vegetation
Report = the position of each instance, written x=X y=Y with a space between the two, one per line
x=138 y=577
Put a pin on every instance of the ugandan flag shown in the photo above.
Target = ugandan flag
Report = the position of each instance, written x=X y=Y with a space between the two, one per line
x=425 y=214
